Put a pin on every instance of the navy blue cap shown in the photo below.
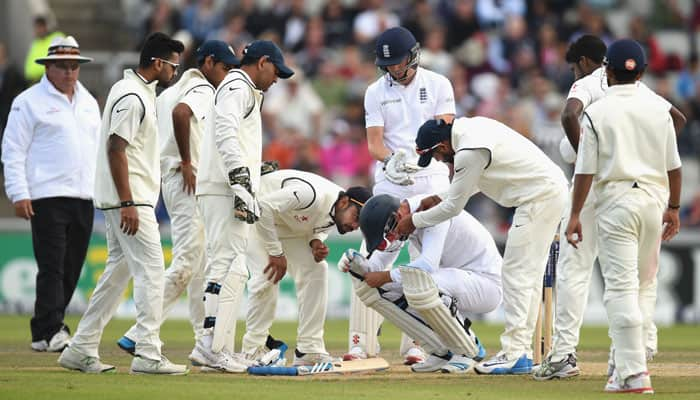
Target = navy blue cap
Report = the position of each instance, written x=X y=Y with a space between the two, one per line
x=221 y=51
x=431 y=133
x=265 y=48
x=626 y=55
x=393 y=45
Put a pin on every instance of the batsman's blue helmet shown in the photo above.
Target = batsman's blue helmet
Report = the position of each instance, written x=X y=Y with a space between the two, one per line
x=377 y=219
x=394 y=45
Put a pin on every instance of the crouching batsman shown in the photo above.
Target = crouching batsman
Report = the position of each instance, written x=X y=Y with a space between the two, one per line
x=455 y=270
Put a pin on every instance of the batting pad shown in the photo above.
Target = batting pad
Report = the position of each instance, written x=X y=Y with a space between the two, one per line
x=422 y=294
x=406 y=322
x=230 y=298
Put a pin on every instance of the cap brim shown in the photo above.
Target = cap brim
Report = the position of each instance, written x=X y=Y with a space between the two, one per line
x=284 y=71
x=230 y=60
x=80 y=59
x=424 y=159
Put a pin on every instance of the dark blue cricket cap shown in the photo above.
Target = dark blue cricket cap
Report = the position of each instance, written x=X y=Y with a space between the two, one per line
x=265 y=48
x=220 y=50
x=626 y=55
x=431 y=133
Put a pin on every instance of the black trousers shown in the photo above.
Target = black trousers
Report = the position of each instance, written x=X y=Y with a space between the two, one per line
x=61 y=229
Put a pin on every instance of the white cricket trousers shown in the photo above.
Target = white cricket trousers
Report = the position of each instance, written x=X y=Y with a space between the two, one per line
x=629 y=239
x=139 y=257
x=423 y=185
x=574 y=271
x=311 y=284
x=524 y=261
x=186 y=269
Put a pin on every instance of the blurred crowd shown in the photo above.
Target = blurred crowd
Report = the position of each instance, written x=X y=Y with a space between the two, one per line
x=505 y=59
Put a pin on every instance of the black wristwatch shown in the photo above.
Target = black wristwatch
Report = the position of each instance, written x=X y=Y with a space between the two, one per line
x=673 y=206
x=127 y=203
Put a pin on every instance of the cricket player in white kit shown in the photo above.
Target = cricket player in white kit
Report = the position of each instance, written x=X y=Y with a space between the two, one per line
x=575 y=265
x=298 y=210
x=460 y=257
x=228 y=180
x=185 y=111
x=396 y=105
x=490 y=157
x=126 y=189
x=630 y=149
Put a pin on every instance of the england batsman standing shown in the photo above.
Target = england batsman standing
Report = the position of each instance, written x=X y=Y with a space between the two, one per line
x=575 y=265
x=396 y=105
x=185 y=112
x=630 y=149
x=228 y=180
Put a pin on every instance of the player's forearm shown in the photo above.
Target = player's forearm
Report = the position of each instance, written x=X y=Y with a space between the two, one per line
x=572 y=128
x=679 y=120
x=582 y=185
x=266 y=230
x=119 y=167
x=674 y=183
x=375 y=143
x=181 y=125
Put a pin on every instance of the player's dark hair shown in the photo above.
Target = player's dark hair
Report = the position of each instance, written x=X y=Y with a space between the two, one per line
x=158 y=45
x=588 y=46
x=623 y=76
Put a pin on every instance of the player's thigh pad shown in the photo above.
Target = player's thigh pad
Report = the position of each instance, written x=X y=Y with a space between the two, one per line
x=422 y=294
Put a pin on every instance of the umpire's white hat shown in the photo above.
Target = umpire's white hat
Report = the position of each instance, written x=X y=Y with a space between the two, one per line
x=63 y=48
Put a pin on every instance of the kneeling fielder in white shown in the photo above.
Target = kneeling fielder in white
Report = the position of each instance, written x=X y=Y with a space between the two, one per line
x=454 y=270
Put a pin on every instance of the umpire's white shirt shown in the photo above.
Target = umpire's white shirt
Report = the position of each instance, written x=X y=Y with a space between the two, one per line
x=626 y=141
x=295 y=204
x=130 y=113
x=401 y=110
x=460 y=242
x=197 y=93
x=516 y=171
x=235 y=136
x=49 y=147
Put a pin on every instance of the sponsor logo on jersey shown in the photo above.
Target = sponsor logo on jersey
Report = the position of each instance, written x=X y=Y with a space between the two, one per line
x=385 y=102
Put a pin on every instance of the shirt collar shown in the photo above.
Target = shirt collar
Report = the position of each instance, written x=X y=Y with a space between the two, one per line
x=133 y=75
x=245 y=76
x=628 y=88
x=51 y=89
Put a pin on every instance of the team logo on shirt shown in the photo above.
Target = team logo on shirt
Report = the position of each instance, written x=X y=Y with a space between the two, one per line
x=422 y=95
x=301 y=218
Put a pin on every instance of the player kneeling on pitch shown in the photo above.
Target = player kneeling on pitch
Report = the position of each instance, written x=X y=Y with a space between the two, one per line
x=298 y=210
x=455 y=270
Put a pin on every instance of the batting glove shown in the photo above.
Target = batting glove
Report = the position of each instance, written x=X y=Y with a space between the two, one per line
x=397 y=170
x=354 y=263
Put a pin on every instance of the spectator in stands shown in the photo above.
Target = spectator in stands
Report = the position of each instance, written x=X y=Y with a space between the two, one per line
x=375 y=19
x=689 y=78
x=201 y=18
x=49 y=152
x=12 y=83
x=43 y=37
x=656 y=59
x=494 y=13
x=164 y=18
x=314 y=52
x=337 y=20
x=461 y=23
x=234 y=30
x=295 y=105
x=433 y=55
x=294 y=26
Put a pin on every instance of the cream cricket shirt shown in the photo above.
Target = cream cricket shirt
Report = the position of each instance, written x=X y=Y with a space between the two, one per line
x=130 y=113
x=295 y=204
x=50 y=144
x=627 y=140
x=234 y=137
x=593 y=87
x=401 y=110
x=460 y=242
x=197 y=93
x=516 y=170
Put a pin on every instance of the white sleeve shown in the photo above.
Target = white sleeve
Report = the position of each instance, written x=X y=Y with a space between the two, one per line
x=199 y=99
x=15 y=145
x=673 y=159
x=469 y=164
x=293 y=196
x=432 y=244
x=579 y=90
x=381 y=260
x=445 y=97
x=665 y=104
x=373 y=112
x=587 y=157
x=232 y=102
x=125 y=117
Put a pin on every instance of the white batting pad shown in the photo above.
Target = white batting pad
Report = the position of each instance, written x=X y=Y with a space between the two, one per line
x=230 y=298
x=408 y=323
x=422 y=294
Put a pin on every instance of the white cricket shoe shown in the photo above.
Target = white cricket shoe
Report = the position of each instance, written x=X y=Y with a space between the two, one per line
x=458 y=364
x=433 y=363
x=355 y=353
x=413 y=355
x=639 y=383
x=71 y=359
x=309 y=359
x=197 y=358
x=140 y=365
x=59 y=341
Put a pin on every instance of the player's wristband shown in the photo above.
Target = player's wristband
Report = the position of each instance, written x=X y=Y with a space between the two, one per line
x=127 y=203
x=674 y=207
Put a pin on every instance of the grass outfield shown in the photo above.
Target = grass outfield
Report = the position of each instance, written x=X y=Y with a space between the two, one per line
x=28 y=375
